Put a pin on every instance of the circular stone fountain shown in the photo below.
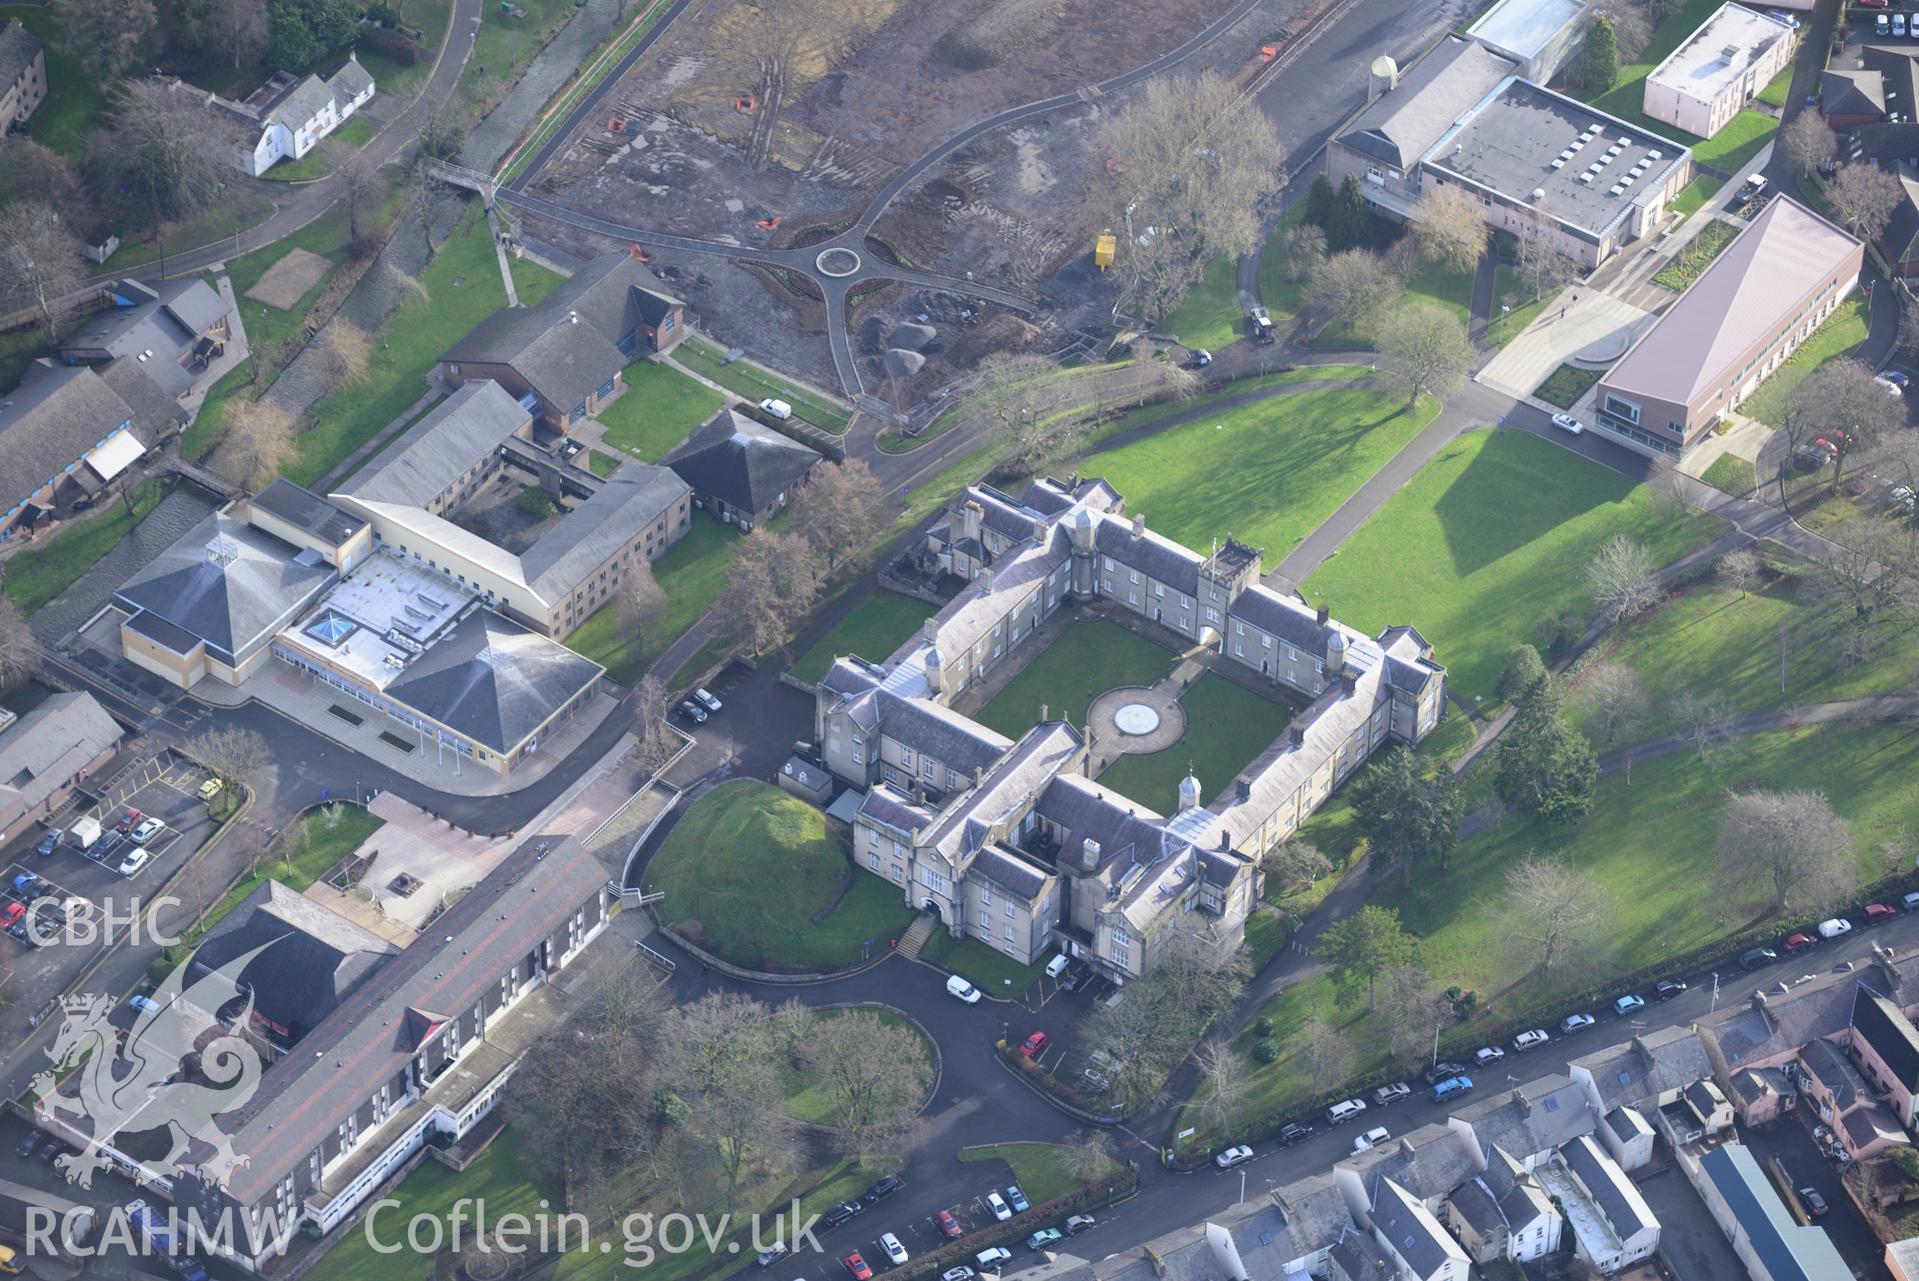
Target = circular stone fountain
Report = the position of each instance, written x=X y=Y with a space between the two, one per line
x=1136 y=719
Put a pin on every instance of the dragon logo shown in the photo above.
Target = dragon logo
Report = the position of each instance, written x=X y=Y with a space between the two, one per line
x=111 y=1087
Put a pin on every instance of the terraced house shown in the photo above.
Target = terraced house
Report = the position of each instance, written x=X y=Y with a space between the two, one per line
x=1012 y=842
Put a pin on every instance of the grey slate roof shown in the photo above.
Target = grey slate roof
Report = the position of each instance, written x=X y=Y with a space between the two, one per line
x=1127 y=832
x=1889 y=1032
x=165 y=319
x=1281 y=616
x=48 y=746
x=1609 y=1187
x=1017 y=876
x=492 y=680
x=18 y=48
x=1531 y=1118
x=304 y=1097
x=1475 y=1204
x=350 y=81
x=50 y=421
x=1788 y=1251
x=559 y=352
x=1828 y=1065
x=234 y=607
x=1409 y=1231
x=887 y=808
x=615 y=294
x=1626 y=1124
x=297 y=107
x=958 y=742
x=744 y=464
x=436 y=451
x=305 y=510
x=625 y=504
x=155 y=411
x=1821 y=1008
x=1431 y=95
x=1018 y=773
x=1648 y=1066
x=315 y=959
x=1427 y=1162
x=1151 y=554
x=1852 y=91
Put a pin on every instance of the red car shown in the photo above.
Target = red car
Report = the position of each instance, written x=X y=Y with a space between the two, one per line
x=857 y=1266
x=128 y=823
x=1799 y=943
x=948 y=1225
x=1877 y=912
x=1035 y=1045
x=15 y=913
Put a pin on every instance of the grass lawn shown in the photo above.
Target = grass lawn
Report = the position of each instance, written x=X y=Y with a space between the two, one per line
x=1209 y=314
x=1226 y=727
x=755 y=383
x=1775 y=93
x=1709 y=637
x=501 y=1179
x=1844 y=330
x=1488 y=539
x=504 y=46
x=1505 y=328
x=875 y=628
x=238 y=210
x=692 y=574
x=1731 y=473
x=1730 y=148
x=1697 y=255
x=807 y=1098
x=1283 y=297
x=325 y=847
x=1694 y=195
x=39 y=575
x=1148 y=414
x=1089 y=658
x=75 y=99
x=400 y=81
x=1040 y=1169
x=601 y=463
x=411 y=343
x=986 y=968
x=752 y=873
x=1267 y=473
x=657 y=410
x=1452 y=290
x=1566 y=384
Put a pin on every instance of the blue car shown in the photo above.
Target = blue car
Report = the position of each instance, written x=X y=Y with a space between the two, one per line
x=1043 y=1238
x=1016 y=1199
x=1452 y=1088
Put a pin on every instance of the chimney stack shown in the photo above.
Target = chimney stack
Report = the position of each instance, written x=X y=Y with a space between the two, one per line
x=1139 y=526
x=1324 y=614
x=1089 y=854
x=1296 y=734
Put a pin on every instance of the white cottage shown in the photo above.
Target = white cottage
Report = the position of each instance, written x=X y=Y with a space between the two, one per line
x=313 y=108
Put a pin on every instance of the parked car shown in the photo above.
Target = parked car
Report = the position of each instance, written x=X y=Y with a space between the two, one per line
x=948 y=1225
x=1199 y=359
x=693 y=712
x=1035 y=1045
x=29 y=1144
x=148 y=829
x=1575 y=1023
x=1342 y=1112
x=841 y=1213
x=1814 y=1203
x=1444 y=1070
x=1911 y=901
x=1797 y=943
x=959 y=987
x=776 y=409
x=1898 y=26
x=1568 y=424
x=136 y=859
x=1292 y=1133
x=1017 y=1199
x=1757 y=957
x=1667 y=989
x=1628 y=1005
x=1530 y=1040
x=128 y=821
x=773 y=1254
x=210 y=789
x=49 y=843
x=857 y=1267
x=1896 y=378
x=1875 y=4
x=12 y=915
x=1387 y=1095
x=894 y=1250
x=1452 y=1089
x=1233 y=1156
x=994 y=1259
x=882 y=1188
x=961 y=1273
x=1260 y=324
x=1487 y=1054
x=1781 y=15
x=1877 y=912
x=1078 y=1223
x=1372 y=1138
x=1095 y=1081
x=1810 y=458
x=1075 y=979
x=1043 y=1238
x=1835 y=927
x=706 y=700
x=998 y=1206
x=1881 y=24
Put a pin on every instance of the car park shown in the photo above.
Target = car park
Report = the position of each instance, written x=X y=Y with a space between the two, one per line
x=1488 y=1054
x=706 y=700
x=1078 y=1223
x=1443 y=1070
x=856 y=1267
x=1344 y=1111
x=12 y=915
x=959 y=987
x=49 y=843
x=998 y=1206
x=1667 y=989
x=1757 y=957
x=1568 y=424
x=1293 y=1133
x=1075 y=979
x=1371 y=1139
x=1058 y=965
x=1628 y=1005
x=1017 y=1199
x=894 y=1250
x=1877 y=912
x=693 y=712
x=841 y=1213
x=882 y=1188
x=1797 y=943
x=994 y=1259
x=1573 y=1024
x=1043 y=1238
x=948 y=1225
x=1452 y=1088
x=136 y=859
x=1035 y=1045
x=1387 y=1095
x=1835 y=927
x=1233 y=1156
x=148 y=829
x=128 y=821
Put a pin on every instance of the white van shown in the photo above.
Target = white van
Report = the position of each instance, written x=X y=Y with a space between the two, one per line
x=957 y=986
x=1911 y=901
x=776 y=409
x=1057 y=966
x=1340 y=1113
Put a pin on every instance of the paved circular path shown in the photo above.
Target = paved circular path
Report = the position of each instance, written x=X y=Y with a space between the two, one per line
x=1102 y=719
x=838 y=261
x=1136 y=719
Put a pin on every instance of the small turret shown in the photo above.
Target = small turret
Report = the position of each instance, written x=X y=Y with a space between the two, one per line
x=1335 y=654
x=1188 y=793
x=935 y=670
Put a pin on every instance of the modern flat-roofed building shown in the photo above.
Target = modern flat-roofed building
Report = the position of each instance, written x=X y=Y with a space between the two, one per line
x=1764 y=295
x=1721 y=67
x=1539 y=36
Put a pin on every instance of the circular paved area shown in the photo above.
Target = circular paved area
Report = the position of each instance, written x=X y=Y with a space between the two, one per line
x=837 y=262
x=1134 y=721
x=1603 y=351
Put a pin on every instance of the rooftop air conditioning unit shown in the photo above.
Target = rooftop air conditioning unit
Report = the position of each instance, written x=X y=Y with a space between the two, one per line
x=1615 y=190
x=1539 y=193
x=1655 y=155
x=1558 y=164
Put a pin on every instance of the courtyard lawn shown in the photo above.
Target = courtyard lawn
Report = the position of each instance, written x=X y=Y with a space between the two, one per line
x=1267 y=473
x=1087 y=659
x=1731 y=473
x=501 y=1179
x=656 y=411
x=1709 y=638
x=754 y=382
x=692 y=575
x=37 y=576
x=1040 y=1169
x=1694 y=195
x=332 y=833
x=875 y=628
x=1226 y=728
x=986 y=968
x=75 y=98
x=752 y=873
x=602 y=463
x=1491 y=537
x=1209 y=314
x=1774 y=94
x=1844 y=330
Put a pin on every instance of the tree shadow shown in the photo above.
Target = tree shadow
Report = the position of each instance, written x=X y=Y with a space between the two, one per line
x=1504 y=500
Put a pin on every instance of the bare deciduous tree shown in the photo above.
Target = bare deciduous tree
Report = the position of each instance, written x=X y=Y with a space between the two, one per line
x=31 y=172
x=641 y=599
x=1789 y=844
x=1223 y=1081
x=1541 y=264
x=1616 y=697
x=1862 y=196
x=1194 y=165
x=865 y=1069
x=1326 y=1051
x=1043 y=413
x=258 y=444
x=347 y=350
x=1739 y=569
x=1296 y=864
x=720 y=1059
x=651 y=708
x=1348 y=286
x=1305 y=250
x=40 y=263
x=359 y=187
x=1623 y=578
x=770 y=585
x=1425 y=349
x=1089 y=1154
x=106 y=34
x=1809 y=143
x=161 y=143
x=1632 y=30
x=237 y=757
x=19 y=652
x=239 y=30
x=1699 y=714
x=1554 y=911
x=839 y=510
x=1449 y=228
x=1412 y=1006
